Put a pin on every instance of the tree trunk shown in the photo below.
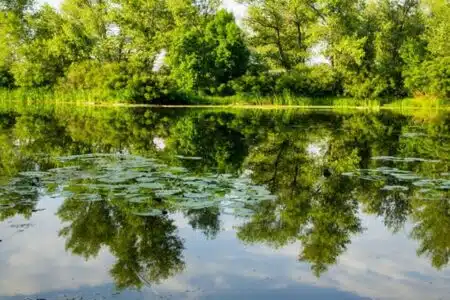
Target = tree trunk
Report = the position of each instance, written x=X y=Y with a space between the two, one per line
x=300 y=42
x=284 y=61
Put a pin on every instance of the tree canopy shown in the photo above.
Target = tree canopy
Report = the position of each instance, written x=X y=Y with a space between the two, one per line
x=160 y=50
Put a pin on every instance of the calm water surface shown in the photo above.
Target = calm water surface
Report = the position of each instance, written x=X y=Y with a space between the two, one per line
x=118 y=203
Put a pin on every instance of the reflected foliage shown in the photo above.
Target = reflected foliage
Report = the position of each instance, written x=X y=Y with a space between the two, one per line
x=20 y=196
x=212 y=137
x=147 y=250
x=431 y=229
x=207 y=220
x=314 y=204
x=289 y=176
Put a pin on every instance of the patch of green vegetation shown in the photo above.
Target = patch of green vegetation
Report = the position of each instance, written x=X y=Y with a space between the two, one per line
x=44 y=95
x=194 y=52
x=91 y=97
x=420 y=103
x=51 y=96
x=288 y=100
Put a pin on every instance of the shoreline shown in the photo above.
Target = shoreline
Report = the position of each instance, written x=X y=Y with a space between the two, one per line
x=232 y=102
x=231 y=106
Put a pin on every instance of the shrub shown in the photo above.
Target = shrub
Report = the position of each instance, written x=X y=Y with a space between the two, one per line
x=6 y=78
x=110 y=79
x=151 y=87
x=431 y=77
x=255 y=85
x=311 y=81
x=91 y=74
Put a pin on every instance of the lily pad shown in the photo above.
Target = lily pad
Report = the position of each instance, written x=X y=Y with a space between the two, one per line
x=424 y=183
x=146 y=179
x=404 y=159
x=405 y=177
x=137 y=199
x=151 y=213
x=90 y=198
x=177 y=169
x=197 y=204
x=188 y=157
x=167 y=193
x=34 y=174
x=394 y=188
x=151 y=185
x=197 y=195
x=348 y=174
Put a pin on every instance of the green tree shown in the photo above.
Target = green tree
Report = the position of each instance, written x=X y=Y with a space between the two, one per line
x=17 y=7
x=143 y=29
x=429 y=59
x=9 y=41
x=207 y=58
x=12 y=33
x=365 y=44
x=282 y=30
x=41 y=62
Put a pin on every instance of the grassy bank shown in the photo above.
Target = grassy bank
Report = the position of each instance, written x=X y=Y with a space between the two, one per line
x=422 y=102
x=287 y=100
x=107 y=97
x=48 y=95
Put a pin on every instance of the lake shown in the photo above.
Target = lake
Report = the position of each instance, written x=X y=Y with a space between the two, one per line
x=159 y=203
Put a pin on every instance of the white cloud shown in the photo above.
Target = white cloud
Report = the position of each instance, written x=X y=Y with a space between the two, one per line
x=376 y=265
x=34 y=260
x=239 y=10
x=54 y=3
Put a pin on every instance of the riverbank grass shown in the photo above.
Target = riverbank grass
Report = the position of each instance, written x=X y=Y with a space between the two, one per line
x=119 y=98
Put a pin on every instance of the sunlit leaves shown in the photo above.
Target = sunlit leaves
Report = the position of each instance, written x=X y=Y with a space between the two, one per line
x=205 y=59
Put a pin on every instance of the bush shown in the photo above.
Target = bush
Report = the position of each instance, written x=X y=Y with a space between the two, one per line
x=88 y=75
x=365 y=86
x=34 y=74
x=324 y=81
x=431 y=77
x=310 y=81
x=109 y=79
x=255 y=85
x=6 y=78
x=151 y=87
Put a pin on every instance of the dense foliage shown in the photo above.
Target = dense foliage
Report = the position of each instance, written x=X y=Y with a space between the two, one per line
x=165 y=50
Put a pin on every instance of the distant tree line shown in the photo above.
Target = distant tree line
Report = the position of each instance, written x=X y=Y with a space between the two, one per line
x=150 y=50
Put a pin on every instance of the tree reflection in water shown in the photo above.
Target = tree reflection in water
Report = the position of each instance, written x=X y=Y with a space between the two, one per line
x=324 y=169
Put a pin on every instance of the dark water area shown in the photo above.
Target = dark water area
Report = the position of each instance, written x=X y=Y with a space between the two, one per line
x=140 y=203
